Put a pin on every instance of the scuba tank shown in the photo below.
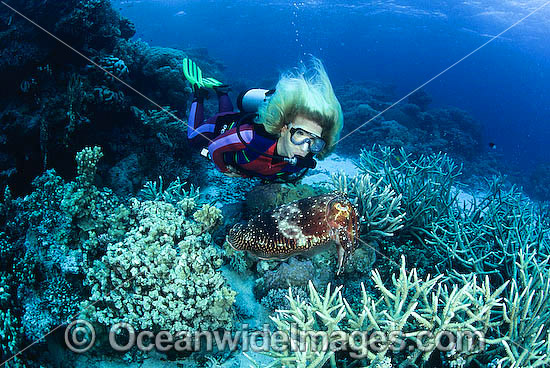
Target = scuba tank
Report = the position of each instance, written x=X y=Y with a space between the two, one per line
x=250 y=100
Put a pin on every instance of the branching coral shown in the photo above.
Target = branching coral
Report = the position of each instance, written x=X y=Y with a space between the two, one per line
x=424 y=185
x=412 y=314
x=526 y=313
x=487 y=236
x=500 y=238
x=322 y=313
x=175 y=192
x=378 y=205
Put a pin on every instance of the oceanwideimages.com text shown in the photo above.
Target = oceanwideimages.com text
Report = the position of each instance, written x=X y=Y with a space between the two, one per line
x=80 y=336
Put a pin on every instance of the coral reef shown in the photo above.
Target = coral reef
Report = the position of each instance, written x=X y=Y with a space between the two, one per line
x=488 y=235
x=174 y=193
x=399 y=198
x=378 y=205
x=295 y=273
x=64 y=233
x=526 y=314
x=63 y=102
x=57 y=219
x=324 y=324
x=70 y=246
x=161 y=276
x=10 y=327
x=412 y=126
x=422 y=186
x=421 y=99
x=499 y=237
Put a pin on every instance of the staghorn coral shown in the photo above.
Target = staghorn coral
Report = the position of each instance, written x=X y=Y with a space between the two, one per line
x=321 y=313
x=487 y=235
x=405 y=310
x=175 y=192
x=378 y=205
x=526 y=313
x=423 y=185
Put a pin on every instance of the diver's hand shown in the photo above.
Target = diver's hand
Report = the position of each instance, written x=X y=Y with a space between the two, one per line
x=232 y=173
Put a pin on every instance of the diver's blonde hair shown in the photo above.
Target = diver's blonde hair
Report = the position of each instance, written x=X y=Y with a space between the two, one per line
x=309 y=93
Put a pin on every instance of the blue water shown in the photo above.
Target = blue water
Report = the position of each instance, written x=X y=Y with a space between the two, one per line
x=405 y=43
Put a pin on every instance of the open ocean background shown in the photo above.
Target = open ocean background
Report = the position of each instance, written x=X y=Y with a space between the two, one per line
x=434 y=217
x=404 y=43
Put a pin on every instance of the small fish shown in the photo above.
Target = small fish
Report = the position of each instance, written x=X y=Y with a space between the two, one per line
x=180 y=13
x=300 y=227
x=492 y=145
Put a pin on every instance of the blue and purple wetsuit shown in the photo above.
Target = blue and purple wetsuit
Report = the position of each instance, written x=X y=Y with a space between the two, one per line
x=228 y=149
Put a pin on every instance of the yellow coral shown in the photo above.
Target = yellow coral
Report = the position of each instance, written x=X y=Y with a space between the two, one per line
x=209 y=216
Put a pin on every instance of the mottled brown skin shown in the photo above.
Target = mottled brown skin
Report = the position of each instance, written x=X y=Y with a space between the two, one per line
x=299 y=227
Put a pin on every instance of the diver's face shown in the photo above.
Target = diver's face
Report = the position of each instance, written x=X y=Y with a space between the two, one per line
x=286 y=147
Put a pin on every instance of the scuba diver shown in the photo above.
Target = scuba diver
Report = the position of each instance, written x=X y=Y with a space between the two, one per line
x=277 y=134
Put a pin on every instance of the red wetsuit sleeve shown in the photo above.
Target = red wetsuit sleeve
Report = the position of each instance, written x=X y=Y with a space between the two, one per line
x=229 y=142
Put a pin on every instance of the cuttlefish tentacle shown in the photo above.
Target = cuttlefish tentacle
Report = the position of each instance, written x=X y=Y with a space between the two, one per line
x=341 y=217
x=299 y=227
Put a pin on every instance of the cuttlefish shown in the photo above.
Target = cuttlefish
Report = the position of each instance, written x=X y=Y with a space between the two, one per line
x=300 y=227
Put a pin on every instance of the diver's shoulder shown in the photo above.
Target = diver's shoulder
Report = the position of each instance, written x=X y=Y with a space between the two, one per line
x=259 y=130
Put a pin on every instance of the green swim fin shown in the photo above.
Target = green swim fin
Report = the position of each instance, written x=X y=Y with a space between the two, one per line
x=192 y=73
x=211 y=83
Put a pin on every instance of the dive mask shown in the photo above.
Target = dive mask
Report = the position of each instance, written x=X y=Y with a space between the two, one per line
x=299 y=136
